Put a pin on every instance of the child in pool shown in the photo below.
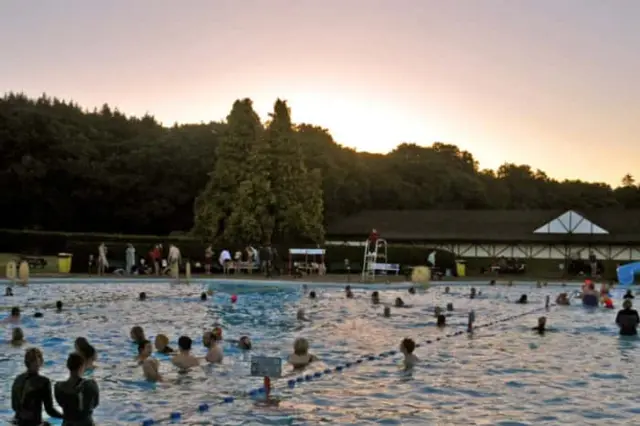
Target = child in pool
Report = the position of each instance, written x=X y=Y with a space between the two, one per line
x=137 y=334
x=300 y=358
x=161 y=343
x=150 y=366
x=211 y=340
x=407 y=346
x=17 y=337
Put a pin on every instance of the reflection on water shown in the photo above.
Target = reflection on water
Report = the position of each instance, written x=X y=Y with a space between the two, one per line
x=580 y=373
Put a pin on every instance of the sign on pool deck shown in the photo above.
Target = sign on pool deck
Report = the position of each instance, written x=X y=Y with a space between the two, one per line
x=266 y=366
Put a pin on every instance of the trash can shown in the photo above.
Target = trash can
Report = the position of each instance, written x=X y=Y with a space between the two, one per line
x=461 y=268
x=64 y=262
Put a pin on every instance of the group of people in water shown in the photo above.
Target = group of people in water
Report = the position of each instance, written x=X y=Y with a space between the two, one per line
x=78 y=396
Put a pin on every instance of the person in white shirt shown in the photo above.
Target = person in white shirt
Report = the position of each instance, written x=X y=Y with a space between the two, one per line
x=173 y=259
x=224 y=259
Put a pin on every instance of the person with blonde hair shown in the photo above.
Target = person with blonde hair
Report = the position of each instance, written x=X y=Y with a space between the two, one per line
x=301 y=357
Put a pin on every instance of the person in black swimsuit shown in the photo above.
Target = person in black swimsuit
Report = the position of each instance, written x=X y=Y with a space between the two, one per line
x=629 y=295
x=31 y=391
x=76 y=396
x=628 y=319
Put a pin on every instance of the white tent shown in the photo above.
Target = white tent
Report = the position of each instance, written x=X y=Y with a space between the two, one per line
x=571 y=222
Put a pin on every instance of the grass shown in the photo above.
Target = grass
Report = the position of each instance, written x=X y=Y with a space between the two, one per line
x=50 y=268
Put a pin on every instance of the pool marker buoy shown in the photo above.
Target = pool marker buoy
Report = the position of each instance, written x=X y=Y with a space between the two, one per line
x=23 y=273
x=11 y=270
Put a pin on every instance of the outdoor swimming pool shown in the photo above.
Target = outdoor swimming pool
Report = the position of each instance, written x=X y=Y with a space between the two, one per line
x=582 y=373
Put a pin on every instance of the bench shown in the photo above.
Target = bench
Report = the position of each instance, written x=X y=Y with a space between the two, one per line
x=35 y=262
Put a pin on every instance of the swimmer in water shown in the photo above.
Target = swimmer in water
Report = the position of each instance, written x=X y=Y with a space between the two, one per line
x=387 y=312
x=78 y=397
x=17 y=337
x=542 y=325
x=137 y=334
x=150 y=366
x=628 y=319
x=446 y=290
x=142 y=296
x=300 y=315
x=8 y=292
x=244 y=343
x=492 y=282
x=449 y=307
x=399 y=303
x=38 y=315
x=472 y=293
x=305 y=288
x=31 y=391
x=441 y=321
x=300 y=358
x=412 y=290
x=539 y=284
x=161 y=344
x=375 y=298
x=407 y=346
x=348 y=292
x=563 y=300
x=629 y=295
x=87 y=351
x=184 y=360
x=14 y=317
x=312 y=294
x=203 y=296
x=522 y=300
x=58 y=306
x=437 y=311
x=211 y=340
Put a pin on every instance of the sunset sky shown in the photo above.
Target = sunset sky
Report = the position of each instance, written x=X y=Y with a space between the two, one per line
x=551 y=83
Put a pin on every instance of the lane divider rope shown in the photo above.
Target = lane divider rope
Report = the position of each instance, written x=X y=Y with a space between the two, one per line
x=306 y=378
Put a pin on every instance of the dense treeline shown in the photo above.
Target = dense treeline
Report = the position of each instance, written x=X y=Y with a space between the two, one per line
x=63 y=168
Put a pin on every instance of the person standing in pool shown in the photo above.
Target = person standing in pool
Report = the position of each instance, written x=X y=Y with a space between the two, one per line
x=14 y=317
x=31 y=391
x=77 y=397
x=150 y=366
x=184 y=360
x=628 y=319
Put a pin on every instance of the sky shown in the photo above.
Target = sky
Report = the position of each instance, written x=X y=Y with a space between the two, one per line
x=550 y=83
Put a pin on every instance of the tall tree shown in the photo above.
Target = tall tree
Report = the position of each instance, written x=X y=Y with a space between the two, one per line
x=298 y=192
x=628 y=180
x=235 y=204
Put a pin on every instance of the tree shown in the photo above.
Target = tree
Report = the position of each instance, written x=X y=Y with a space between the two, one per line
x=298 y=193
x=237 y=199
x=628 y=181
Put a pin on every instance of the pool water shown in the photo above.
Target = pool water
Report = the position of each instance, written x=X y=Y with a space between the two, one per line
x=581 y=373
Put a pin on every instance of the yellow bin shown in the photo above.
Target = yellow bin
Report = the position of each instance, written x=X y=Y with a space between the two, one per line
x=461 y=268
x=64 y=262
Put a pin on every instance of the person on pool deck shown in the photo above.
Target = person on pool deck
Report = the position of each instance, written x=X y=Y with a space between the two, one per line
x=300 y=358
x=161 y=344
x=210 y=340
x=31 y=391
x=17 y=337
x=472 y=293
x=8 y=292
x=441 y=321
x=628 y=319
x=407 y=346
x=14 y=317
x=563 y=299
x=523 y=300
x=348 y=292
x=150 y=366
x=77 y=397
x=412 y=290
x=312 y=294
x=137 y=334
x=375 y=298
x=629 y=295
x=386 y=312
x=542 y=325
x=184 y=360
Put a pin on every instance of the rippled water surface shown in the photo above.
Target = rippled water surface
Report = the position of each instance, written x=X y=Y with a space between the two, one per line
x=581 y=373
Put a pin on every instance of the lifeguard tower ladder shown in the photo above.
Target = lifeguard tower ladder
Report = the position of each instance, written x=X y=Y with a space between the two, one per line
x=375 y=255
